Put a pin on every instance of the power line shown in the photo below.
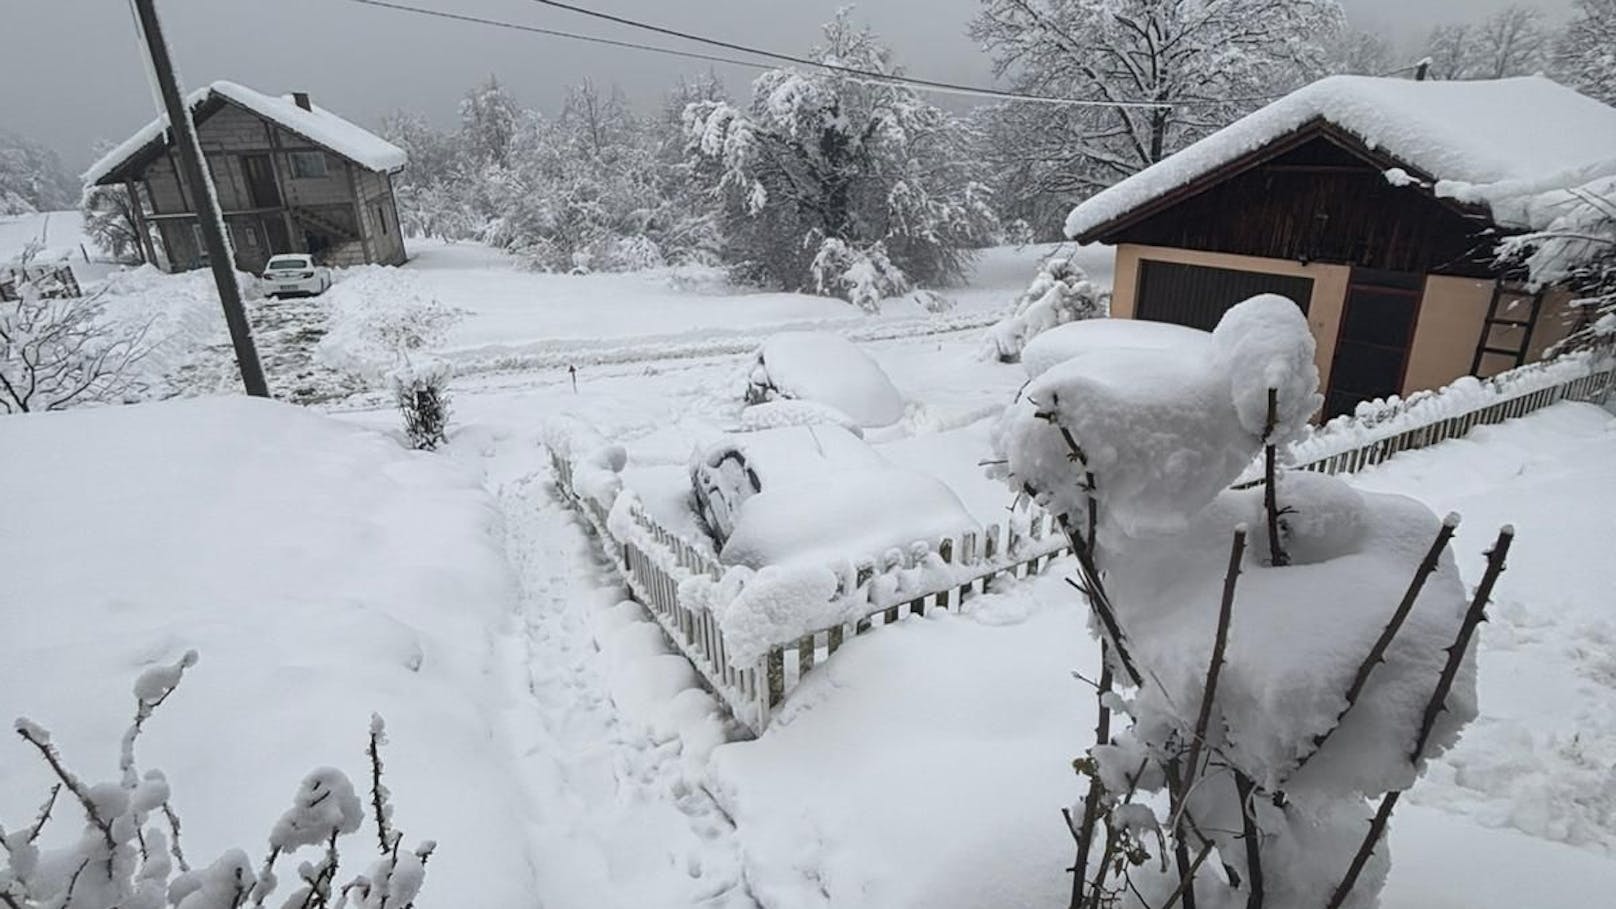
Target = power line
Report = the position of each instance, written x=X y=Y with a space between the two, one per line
x=856 y=74
x=933 y=84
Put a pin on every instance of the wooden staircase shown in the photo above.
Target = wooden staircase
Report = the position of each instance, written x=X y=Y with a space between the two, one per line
x=314 y=221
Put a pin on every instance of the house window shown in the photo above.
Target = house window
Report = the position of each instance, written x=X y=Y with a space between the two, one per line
x=381 y=218
x=308 y=164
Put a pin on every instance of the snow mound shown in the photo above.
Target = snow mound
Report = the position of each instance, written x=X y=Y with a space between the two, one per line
x=323 y=573
x=1164 y=423
x=788 y=412
x=378 y=316
x=1262 y=344
x=842 y=516
x=828 y=369
x=1067 y=342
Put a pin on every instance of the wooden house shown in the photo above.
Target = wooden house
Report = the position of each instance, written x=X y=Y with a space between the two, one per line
x=290 y=177
x=1377 y=205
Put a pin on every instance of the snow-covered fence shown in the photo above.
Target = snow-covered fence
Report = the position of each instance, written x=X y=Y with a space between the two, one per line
x=659 y=566
x=1351 y=443
x=51 y=280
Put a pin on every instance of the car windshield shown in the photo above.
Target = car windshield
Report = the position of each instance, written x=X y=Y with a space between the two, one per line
x=281 y=262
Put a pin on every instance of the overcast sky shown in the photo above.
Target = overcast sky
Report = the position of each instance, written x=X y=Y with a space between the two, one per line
x=70 y=73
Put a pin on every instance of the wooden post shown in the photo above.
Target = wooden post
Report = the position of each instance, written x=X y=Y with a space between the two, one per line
x=209 y=220
x=142 y=229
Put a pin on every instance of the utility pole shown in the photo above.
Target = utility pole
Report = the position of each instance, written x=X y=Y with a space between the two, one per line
x=183 y=132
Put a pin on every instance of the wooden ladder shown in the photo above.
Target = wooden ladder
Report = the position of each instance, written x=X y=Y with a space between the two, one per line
x=1504 y=311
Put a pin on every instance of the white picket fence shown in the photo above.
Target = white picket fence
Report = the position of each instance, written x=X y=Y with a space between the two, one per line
x=1452 y=412
x=658 y=560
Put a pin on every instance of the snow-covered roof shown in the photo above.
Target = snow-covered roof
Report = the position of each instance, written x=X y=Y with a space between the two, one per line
x=317 y=125
x=1488 y=141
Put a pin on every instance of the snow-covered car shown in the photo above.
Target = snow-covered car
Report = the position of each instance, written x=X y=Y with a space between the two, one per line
x=798 y=494
x=295 y=273
x=827 y=369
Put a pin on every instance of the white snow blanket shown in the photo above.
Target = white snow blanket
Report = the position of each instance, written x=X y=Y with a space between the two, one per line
x=842 y=516
x=1075 y=339
x=321 y=570
x=1487 y=140
x=828 y=368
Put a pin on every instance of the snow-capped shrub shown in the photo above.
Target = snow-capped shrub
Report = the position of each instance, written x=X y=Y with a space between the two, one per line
x=59 y=351
x=1266 y=700
x=421 y=390
x=1060 y=293
x=129 y=855
x=864 y=277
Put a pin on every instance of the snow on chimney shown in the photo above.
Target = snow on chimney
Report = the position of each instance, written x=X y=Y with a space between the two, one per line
x=301 y=99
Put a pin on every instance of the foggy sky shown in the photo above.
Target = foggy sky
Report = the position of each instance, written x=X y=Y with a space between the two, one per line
x=70 y=73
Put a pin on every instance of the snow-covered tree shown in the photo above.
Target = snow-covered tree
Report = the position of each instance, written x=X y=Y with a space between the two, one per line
x=1574 y=246
x=1206 y=62
x=32 y=178
x=1361 y=53
x=1512 y=42
x=489 y=120
x=109 y=220
x=1585 y=53
x=857 y=175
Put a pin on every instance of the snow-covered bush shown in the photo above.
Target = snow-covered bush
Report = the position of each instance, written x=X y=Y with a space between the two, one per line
x=129 y=856
x=822 y=173
x=863 y=276
x=59 y=351
x=421 y=391
x=1270 y=689
x=1060 y=293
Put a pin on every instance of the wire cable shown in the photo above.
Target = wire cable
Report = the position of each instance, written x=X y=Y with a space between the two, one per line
x=872 y=77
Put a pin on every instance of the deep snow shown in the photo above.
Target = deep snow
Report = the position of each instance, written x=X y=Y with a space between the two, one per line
x=925 y=763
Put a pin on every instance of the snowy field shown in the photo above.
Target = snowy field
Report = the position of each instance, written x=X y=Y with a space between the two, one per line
x=544 y=736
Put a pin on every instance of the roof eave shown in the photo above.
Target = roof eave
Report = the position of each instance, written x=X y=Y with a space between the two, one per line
x=1305 y=132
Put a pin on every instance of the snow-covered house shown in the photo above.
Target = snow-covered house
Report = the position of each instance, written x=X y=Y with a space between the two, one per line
x=1376 y=204
x=290 y=176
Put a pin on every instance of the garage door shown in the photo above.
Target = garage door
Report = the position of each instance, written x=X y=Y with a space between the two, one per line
x=1198 y=295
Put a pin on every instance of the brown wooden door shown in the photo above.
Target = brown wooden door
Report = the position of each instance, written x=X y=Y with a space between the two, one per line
x=261 y=188
x=1377 y=330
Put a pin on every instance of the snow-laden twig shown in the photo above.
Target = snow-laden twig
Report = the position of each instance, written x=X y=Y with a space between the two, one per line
x=1474 y=616
x=1276 y=553
x=1237 y=551
x=1244 y=787
x=1377 y=653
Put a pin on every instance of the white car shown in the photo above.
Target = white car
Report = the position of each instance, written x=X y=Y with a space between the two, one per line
x=815 y=494
x=295 y=273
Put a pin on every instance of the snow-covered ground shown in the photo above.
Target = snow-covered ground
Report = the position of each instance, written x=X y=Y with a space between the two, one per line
x=544 y=736
x=62 y=242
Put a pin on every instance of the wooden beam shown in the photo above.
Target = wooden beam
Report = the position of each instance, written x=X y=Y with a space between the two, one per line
x=141 y=229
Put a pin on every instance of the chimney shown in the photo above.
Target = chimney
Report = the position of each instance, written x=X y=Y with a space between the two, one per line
x=301 y=99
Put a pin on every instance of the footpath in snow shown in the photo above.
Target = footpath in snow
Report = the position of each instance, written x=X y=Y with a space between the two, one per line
x=623 y=820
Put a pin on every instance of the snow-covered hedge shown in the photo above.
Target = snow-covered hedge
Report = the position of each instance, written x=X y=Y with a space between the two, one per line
x=377 y=316
x=1240 y=669
x=1060 y=293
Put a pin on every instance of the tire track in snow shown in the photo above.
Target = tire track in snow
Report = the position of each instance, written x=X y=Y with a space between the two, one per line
x=618 y=822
